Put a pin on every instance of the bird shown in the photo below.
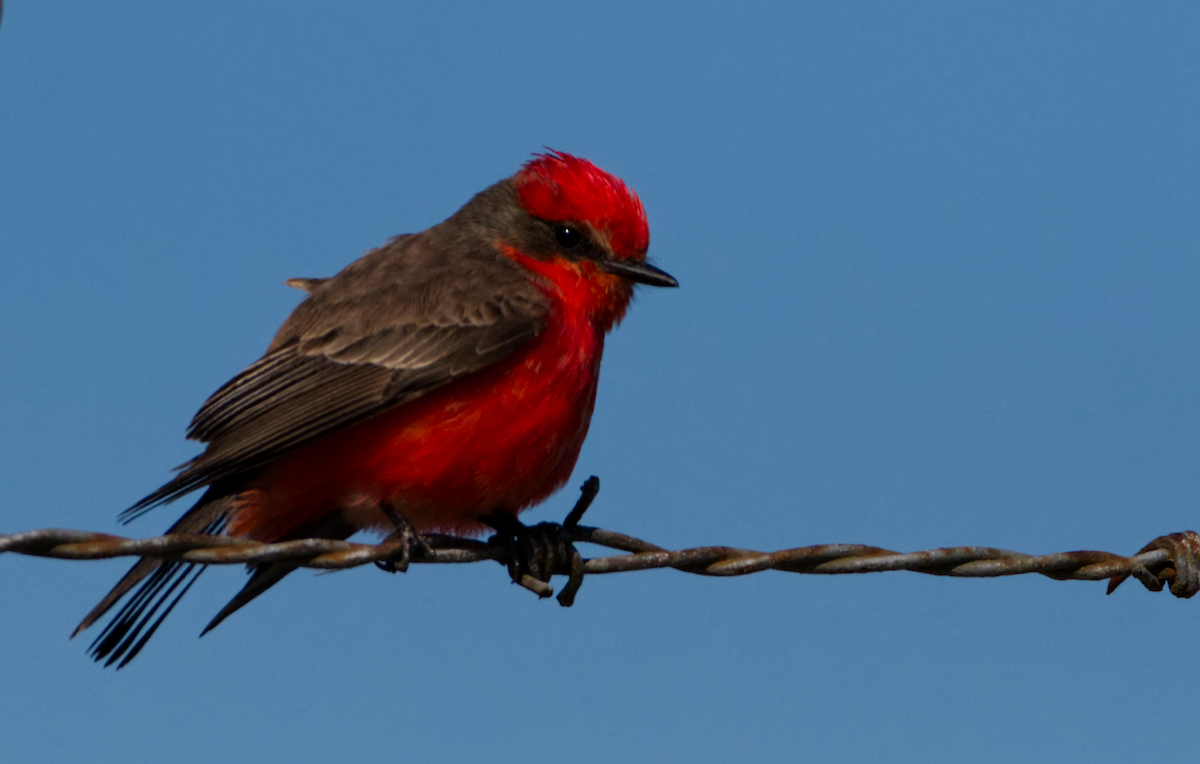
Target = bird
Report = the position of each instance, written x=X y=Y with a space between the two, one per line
x=444 y=378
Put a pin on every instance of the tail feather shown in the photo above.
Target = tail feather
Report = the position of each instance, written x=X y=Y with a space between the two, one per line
x=120 y=639
x=131 y=579
x=159 y=579
x=161 y=584
x=331 y=526
x=264 y=577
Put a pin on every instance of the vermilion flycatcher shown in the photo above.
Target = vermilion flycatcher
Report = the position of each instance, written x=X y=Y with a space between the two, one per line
x=446 y=376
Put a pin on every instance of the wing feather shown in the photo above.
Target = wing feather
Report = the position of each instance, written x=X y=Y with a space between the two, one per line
x=384 y=331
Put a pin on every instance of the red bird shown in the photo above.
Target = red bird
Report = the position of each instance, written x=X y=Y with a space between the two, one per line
x=444 y=377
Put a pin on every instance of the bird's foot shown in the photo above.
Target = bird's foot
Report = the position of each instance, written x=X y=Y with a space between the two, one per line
x=412 y=544
x=535 y=553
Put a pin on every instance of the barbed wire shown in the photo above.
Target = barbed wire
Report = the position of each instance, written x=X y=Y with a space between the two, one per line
x=534 y=554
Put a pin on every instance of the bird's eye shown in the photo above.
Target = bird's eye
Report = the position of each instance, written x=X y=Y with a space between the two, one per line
x=568 y=236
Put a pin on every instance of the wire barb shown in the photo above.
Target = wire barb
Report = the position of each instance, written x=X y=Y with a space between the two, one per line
x=1169 y=561
x=1181 y=571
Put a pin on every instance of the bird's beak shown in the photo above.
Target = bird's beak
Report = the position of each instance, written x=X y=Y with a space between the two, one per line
x=641 y=272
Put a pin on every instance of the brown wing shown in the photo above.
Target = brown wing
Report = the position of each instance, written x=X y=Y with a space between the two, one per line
x=395 y=324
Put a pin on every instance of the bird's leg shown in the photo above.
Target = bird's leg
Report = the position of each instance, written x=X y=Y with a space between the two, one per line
x=410 y=541
x=535 y=553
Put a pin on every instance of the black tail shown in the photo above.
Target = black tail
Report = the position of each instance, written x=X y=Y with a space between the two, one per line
x=267 y=574
x=126 y=634
x=133 y=625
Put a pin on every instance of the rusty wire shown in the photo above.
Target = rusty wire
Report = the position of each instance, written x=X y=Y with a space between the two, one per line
x=1172 y=560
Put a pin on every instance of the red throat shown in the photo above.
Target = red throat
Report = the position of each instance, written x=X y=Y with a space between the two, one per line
x=499 y=440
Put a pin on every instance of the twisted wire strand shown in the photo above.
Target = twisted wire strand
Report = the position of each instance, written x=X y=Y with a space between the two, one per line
x=1172 y=560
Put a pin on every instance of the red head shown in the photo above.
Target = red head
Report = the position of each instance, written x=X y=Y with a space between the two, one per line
x=558 y=186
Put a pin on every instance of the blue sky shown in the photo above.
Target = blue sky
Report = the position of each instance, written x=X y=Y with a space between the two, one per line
x=939 y=268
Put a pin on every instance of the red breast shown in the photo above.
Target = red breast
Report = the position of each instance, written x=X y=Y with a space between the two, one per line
x=502 y=439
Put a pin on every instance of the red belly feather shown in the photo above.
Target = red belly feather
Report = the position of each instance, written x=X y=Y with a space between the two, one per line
x=501 y=439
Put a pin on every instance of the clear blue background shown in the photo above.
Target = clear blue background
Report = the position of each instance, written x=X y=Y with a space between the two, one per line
x=939 y=267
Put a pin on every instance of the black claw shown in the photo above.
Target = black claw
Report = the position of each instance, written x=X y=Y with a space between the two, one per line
x=411 y=543
x=536 y=553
